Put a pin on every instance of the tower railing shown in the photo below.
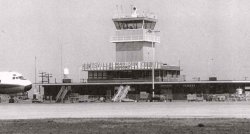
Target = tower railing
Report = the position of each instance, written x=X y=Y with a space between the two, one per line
x=130 y=35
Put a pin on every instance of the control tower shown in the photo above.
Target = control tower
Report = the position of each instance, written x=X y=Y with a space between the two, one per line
x=135 y=40
x=135 y=37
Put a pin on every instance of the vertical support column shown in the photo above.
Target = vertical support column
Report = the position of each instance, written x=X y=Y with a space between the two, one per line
x=153 y=71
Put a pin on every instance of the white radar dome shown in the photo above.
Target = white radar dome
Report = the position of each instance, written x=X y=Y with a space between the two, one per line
x=65 y=71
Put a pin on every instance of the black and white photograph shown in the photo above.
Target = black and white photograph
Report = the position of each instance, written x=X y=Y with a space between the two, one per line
x=124 y=66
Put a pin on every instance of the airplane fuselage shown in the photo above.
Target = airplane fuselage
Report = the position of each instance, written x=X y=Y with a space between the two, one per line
x=13 y=82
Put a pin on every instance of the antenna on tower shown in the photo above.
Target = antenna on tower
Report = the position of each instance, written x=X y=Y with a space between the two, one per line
x=121 y=11
x=131 y=9
x=117 y=11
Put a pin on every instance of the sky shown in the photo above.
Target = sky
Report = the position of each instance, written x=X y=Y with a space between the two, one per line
x=207 y=37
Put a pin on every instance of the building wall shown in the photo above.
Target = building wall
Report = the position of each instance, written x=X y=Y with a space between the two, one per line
x=173 y=91
x=133 y=51
x=147 y=52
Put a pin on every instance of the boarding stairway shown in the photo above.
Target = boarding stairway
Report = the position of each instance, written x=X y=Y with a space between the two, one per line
x=62 y=93
x=121 y=93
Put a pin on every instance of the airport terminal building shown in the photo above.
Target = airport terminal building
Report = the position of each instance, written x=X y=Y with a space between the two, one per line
x=136 y=75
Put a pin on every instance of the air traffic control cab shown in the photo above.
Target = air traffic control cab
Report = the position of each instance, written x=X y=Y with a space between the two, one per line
x=135 y=40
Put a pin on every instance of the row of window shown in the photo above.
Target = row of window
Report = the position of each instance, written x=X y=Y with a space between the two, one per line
x=128 y=74
x=97 y=75
x=134 y=25
x=19 y=77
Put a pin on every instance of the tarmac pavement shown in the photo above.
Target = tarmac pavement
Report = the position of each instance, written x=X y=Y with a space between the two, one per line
x=126 y=110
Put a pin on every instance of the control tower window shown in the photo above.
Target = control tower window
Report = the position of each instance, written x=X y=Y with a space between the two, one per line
x=119 y=25
x=131 y=26
x=137 y=24
x=124 y=25
x=149 y=25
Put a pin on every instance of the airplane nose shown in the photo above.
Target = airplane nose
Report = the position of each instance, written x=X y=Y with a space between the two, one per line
x=27 y=88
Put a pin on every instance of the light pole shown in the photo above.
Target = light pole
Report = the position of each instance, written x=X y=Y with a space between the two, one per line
x=153 y=61
x=35 y=69
x=153 y=69
x=79 y=73
x=212 y=66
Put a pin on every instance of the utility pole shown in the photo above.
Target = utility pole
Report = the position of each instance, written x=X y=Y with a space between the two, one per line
x=212 y=67
x=61 y=68
x=45 y=77
x=48 y=77
x=42 y=75
x=35 y=69
x=153 y=60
